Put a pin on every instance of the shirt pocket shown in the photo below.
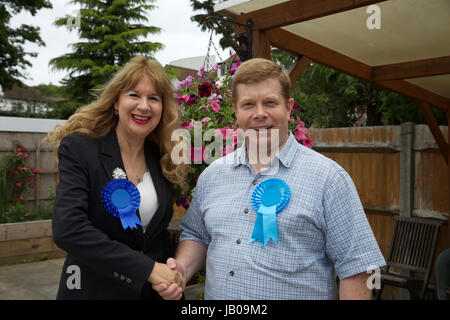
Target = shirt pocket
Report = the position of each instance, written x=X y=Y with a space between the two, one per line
x=294 y=251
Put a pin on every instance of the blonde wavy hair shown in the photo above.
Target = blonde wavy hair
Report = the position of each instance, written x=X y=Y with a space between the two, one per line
x=97 y=118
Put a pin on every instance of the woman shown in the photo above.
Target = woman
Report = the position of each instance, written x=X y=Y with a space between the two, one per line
x=113 y=250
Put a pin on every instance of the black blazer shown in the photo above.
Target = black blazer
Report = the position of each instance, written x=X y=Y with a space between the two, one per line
x=113 y=263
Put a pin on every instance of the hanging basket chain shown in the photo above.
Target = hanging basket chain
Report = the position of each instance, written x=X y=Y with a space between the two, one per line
x=206 y=61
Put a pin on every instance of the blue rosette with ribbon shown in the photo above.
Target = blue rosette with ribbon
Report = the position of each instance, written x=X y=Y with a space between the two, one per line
x=121 y=200
x=268 y=198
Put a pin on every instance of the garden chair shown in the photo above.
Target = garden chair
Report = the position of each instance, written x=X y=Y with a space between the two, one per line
x=442 y=274
x=412 y=248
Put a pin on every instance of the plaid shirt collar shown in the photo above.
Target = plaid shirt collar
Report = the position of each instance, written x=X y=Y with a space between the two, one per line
x=286 y=155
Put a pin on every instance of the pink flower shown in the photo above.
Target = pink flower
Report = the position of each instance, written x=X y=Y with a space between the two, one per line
x=13 y=171
x=18 y=184
x=205 y=120
x=201 y=72
x=214 y=105
x=197 y=154
x=299 y=133
x=24 y=168
x=21 y=198
x=296 y=107
x=234 y=67
x=185 y=97
x=188 y=125
x=308 y=142
x=34 y=170
x=223 y=131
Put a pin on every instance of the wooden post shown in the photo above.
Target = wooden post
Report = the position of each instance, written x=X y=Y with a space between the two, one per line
x=38 y=176
x=406 y=169
x=260 y=44
x=406 y=181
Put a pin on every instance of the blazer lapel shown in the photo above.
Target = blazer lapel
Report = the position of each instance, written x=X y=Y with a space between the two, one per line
x=110 y=153
x=111 y=157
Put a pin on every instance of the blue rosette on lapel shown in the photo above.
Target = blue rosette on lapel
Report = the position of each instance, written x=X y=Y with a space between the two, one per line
x=121 y=200
x=268 y=198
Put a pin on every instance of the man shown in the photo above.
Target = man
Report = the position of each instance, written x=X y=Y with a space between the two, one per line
x=321 y=230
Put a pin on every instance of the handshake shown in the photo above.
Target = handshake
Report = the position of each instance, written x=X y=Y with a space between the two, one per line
x=169 y=279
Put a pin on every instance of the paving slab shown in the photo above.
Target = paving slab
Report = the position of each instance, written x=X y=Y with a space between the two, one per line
x=40 y=281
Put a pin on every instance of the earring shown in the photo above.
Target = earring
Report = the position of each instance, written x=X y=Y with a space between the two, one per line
x=116 y=113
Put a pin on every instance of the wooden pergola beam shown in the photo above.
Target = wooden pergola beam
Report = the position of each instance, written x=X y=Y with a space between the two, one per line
x=412 y=69
x=298 y=11
x=297 y=69
x=293 y=43
x=434 y=128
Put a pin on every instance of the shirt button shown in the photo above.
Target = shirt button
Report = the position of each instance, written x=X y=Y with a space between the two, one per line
x=238 y=241
x=116 y=275
x=231 y=273
x=246 y=211
x=254 y=183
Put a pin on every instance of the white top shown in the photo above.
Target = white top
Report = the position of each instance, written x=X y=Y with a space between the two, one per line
x=149 y=200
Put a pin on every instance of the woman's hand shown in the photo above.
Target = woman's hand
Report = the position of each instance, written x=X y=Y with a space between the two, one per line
x=161 y=273
x=172 y=291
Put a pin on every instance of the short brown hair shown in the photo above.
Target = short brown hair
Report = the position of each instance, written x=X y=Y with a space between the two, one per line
x=257 y=70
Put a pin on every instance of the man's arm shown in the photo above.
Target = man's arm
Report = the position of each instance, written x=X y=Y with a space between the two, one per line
x=355 y=287
x=190 y=258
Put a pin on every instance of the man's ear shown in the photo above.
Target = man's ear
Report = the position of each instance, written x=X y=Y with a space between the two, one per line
x=290 y=106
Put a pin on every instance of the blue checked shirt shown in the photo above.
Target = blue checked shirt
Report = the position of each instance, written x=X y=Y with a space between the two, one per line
x=322 y=229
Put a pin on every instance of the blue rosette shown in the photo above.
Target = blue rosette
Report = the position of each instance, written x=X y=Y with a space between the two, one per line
x=268 y=198
x=121 y=199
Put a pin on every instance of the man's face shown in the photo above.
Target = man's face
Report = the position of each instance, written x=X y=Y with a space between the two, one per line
x=261 y=107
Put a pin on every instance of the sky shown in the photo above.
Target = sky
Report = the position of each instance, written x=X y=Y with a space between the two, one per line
x=181 y=37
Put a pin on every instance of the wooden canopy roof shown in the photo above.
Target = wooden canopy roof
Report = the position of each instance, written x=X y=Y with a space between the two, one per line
x=409 y=53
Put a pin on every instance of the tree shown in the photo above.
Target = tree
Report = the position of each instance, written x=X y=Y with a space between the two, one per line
x=211 y=20
x=111 y=32
x=13 y=57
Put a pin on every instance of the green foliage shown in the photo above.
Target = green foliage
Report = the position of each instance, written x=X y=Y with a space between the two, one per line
x=111 y=34
x=13 y=57
x=51 y=90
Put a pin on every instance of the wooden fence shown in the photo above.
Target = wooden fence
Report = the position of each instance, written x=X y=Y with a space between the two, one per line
x=397 y=170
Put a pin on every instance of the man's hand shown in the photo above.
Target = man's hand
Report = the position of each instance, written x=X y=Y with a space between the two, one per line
x=161 y=273
x=172 y=291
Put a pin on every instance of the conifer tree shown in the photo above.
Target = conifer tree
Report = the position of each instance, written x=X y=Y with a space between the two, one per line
x=111 y=33
x=13 y=57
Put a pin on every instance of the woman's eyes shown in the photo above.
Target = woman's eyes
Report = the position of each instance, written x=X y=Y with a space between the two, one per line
x=136 y=95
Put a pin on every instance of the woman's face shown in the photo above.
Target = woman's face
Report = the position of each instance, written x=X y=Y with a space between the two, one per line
x=140 y=110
